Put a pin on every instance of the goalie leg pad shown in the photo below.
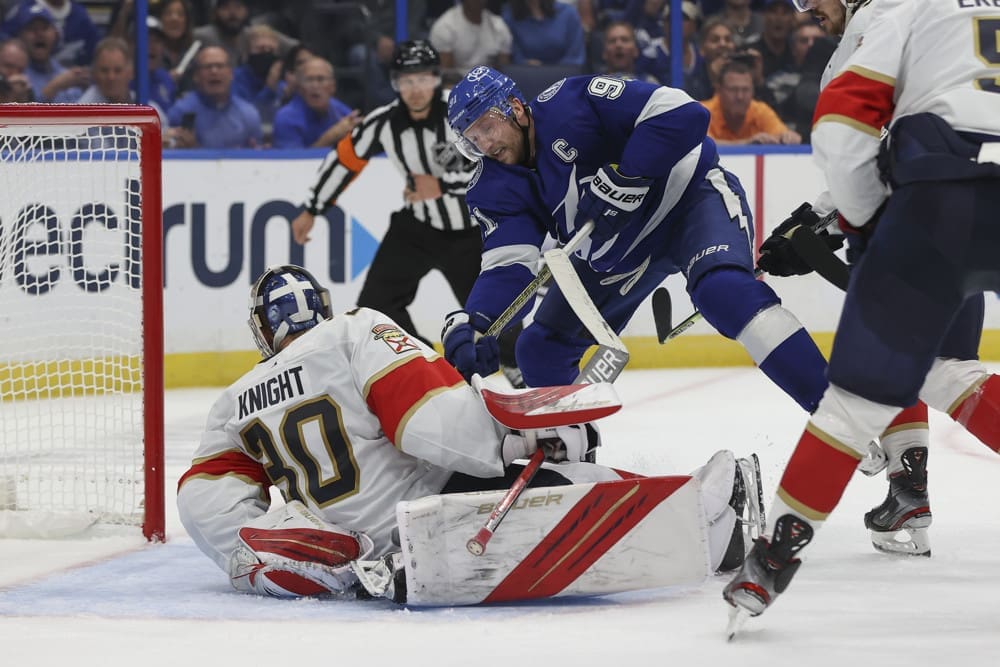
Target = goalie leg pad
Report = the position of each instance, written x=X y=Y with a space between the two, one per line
x=582 y=539
x=291 y=552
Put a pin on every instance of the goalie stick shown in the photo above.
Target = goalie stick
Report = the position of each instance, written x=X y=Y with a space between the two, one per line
x=661 y=297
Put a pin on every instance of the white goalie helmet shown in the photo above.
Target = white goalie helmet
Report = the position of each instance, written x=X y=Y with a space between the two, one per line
x=286 y=299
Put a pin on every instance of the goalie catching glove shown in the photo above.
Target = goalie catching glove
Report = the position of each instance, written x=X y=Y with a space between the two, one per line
x=777 y=254
x=290 y=552
x=611 y=201
x=561 y=443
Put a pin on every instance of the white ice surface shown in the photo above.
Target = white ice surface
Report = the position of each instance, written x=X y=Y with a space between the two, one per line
x=117 y=602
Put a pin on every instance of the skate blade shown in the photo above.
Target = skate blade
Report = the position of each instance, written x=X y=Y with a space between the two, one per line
x=737 y=618
x=904 y=542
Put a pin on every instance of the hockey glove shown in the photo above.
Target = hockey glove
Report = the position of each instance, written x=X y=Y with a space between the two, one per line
x=611 y=201
x=777 y=255
x=464 y=351
x=290 y=552
x=561 y=443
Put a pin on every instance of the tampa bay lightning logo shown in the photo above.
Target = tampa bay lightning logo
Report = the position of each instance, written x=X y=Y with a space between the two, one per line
x=478 y=73
x=551 y=91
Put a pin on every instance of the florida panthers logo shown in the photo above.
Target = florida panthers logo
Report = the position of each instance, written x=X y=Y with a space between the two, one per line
x=397 y=339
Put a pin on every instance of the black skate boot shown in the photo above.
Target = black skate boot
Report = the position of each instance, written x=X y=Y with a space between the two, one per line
x=767 y=571
x=748 y=502
x=899 y=525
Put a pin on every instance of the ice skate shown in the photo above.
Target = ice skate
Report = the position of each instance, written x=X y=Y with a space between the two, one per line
x=767 y=570
x=899 y=525
x=747 y=501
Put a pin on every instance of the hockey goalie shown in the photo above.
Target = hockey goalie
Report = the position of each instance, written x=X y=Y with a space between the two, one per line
x=389 y=464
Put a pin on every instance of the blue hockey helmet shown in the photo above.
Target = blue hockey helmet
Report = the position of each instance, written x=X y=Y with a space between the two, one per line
x=482 y=90
x=286 y=299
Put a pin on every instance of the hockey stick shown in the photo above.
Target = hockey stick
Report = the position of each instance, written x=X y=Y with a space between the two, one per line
x=528 y=293
x=609 y=360
x=661 y=297
x=820 y=257
x=539 y=407
x=477 y=544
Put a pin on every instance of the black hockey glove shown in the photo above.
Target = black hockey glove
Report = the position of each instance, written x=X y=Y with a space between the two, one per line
x=611 y=201
x=777 y=255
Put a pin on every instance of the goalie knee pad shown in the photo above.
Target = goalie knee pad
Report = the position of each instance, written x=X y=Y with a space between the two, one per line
x=291 y=552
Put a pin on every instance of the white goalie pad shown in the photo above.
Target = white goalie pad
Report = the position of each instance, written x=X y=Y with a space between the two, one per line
x=577 y=540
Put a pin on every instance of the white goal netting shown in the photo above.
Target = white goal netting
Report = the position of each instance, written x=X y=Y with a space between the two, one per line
x=71 y=317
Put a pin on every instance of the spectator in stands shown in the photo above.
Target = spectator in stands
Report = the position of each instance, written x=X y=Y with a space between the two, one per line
x=737 y=118
x=654 y=52
x=646 y=17
x=747 y=24
x=77 y=33
x=111 y=73
x=50 y=81
x=290 y=63
x=314 y=118
x=162 y=89
x=211 y=116
x=779 y=21
x=545 y=32
x=596 y=14
x=795 y=88
x=259 y=79
x=230 y=29
x=178 y=41
x=14 y=68
x=715 y=47
x=468 y=35
x=620 y=51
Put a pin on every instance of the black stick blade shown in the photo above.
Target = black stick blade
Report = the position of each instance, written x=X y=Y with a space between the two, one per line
x=662 y=313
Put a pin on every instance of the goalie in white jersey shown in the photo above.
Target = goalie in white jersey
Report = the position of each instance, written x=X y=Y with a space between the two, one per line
x=927 y=70
x=348 y=416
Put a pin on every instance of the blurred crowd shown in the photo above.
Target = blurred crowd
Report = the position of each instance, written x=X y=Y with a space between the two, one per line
x=302 y=73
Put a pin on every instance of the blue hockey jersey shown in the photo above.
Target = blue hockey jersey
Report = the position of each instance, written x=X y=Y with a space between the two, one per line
x=582 y=123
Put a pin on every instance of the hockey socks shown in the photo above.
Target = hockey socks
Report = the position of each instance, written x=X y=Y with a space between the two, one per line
x=815 y=477
x=978 y=410
x=907 y=430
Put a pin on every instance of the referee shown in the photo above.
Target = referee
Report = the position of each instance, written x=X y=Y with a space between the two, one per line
x=434 y=229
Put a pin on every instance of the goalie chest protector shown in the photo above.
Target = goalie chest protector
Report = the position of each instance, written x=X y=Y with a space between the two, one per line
x=576 y=540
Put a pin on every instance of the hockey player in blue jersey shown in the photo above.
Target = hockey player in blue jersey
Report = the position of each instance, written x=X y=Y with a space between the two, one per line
x=634 y=158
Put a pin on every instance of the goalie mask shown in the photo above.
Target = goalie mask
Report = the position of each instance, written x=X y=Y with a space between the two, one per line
x=482 y=91
x=285 y=300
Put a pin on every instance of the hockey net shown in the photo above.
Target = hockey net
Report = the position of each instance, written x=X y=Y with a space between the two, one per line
x=81 y=380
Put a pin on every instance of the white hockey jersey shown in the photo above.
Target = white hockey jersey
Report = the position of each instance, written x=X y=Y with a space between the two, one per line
x=916 y=56
x=849 y=42
x=351 y=418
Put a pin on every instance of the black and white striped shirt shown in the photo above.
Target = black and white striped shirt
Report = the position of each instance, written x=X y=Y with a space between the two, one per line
x=415 y=147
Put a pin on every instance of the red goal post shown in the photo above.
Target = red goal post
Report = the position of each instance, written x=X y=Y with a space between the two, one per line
x=81 y=369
